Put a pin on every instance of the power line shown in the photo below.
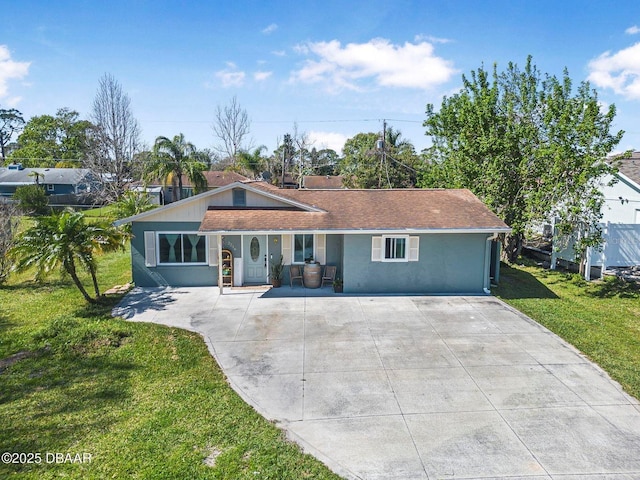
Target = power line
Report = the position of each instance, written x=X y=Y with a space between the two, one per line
x=351 y=120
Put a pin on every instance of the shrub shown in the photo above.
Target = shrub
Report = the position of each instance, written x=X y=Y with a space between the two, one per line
x=32 y=199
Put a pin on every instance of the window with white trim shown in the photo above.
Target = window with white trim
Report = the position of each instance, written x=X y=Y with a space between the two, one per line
x=179 y=248
x=395 y=249
x=303 y=248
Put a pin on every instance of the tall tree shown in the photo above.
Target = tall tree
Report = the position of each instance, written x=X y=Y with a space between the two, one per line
x=173 y=158
x=369 y=163
x=527 y=146
x=117 y=136
x=66 y=241
x=324 y=161
x=11 y=123
x=47 y=140
x=252 y=163
x=231 y=126
x=9 y=223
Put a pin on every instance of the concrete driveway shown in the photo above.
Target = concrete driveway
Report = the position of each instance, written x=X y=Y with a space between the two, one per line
x=412 y=387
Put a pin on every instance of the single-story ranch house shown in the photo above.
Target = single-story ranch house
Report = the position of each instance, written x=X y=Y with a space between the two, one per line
x=381 y=241
x=55 y=181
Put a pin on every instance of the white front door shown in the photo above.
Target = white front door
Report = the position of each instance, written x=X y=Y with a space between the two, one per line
x=255 y=259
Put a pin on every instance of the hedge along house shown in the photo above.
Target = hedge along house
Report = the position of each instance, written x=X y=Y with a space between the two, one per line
x=382 y=241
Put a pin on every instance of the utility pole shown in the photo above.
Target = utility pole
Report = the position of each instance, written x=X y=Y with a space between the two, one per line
x=383 y=153
x=384 y=140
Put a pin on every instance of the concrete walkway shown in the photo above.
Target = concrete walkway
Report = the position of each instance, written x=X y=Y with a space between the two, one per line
x=412 y=387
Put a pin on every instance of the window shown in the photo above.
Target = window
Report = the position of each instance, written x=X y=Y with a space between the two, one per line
x=239 y=197
x=181 y=248
x=395 y=249
x=50 y=187
x=302 y=248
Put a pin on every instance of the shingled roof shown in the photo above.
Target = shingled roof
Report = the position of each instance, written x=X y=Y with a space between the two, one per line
x=630 y=167
x=359 y=210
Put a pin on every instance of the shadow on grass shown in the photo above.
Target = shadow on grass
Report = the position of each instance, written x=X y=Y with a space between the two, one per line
x=101 y=309
x=615 y=287
x=516 y=284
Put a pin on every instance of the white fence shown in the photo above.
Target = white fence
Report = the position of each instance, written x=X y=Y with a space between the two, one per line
x=621 y=248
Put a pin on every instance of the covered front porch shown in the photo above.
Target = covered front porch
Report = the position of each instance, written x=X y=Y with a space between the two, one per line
x=246 y=259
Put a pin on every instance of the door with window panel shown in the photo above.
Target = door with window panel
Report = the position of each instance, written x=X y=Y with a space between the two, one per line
x=255 y=259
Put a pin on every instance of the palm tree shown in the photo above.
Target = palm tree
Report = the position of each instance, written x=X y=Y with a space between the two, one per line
x=36 y=176
x=253 y=162
x=64 y=240
x=173 y=159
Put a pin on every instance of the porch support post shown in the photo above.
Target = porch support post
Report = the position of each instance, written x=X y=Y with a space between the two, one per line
x=220 y=282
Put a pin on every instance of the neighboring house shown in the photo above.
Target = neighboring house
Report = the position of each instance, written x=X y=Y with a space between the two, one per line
x=381 y=241
x=319 y=182
x=620 y=220
x=215 y=179
x=68 y=182
x=622 y=200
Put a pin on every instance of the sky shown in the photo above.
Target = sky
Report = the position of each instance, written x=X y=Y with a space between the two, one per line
x=331 y=69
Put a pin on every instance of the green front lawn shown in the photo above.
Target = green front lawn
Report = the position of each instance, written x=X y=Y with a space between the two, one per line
x=601 y=319
x=144 y=401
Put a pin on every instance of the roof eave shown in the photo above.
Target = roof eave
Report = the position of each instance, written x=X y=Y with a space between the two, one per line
x=211 y=193
x=375 y=231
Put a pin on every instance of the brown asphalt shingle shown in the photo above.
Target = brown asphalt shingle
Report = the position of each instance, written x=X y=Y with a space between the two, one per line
x=630 y=167
x=360 y=210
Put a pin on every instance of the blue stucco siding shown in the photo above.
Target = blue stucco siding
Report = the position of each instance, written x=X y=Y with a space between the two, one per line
x=448 y=263
x=175 y=275
x=59 y=189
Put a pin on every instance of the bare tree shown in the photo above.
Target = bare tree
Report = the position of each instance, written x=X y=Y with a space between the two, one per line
x=9 y=221
x=302 y=166
x=231 y=126
x=117 y=137
x=11 y=123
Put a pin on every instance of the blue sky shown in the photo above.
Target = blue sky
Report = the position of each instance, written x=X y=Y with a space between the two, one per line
x=336 y=68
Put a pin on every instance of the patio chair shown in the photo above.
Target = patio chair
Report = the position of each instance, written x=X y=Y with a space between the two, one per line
x=295 y=273
x=329 y=275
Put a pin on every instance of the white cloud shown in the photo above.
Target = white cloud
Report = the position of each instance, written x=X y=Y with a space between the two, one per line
x=431 y=39
x=270 y=29
x=632 y=30
x=261 y=76
x=412 y=65
x=332 y=140
x=231 y=76
x=619 y=71
x=10 y=69
x=279 y=53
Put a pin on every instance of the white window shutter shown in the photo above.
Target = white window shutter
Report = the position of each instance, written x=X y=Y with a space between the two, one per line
x=321 y=248
x=414 y=248
x=213 y=250
x=286 y=249
x=376 y=249
x=149 y=248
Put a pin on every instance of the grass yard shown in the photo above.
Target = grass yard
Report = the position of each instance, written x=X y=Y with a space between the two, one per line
x=144 y=401
x=601 y=319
